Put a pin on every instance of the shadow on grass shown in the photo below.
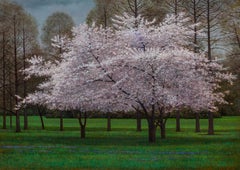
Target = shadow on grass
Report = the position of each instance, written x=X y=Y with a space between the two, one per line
x=121 y=140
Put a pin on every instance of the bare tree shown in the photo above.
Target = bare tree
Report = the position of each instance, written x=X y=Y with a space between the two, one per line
x=19 y=40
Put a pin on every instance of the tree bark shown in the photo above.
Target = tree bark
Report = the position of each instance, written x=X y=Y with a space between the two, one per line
x=178 y=129
x=139 y=122
x=42 y=122
x=109 y=122
x=83 y=131
x=4 y=82
x=10 y=100
x=61 y=121
x=209 y=32
x=41 y=117
x=82 y=119
x=210 y=124
x=151 y=130
x=18 y=128
x=163 y=130
x=197 y=125
x=24 y=81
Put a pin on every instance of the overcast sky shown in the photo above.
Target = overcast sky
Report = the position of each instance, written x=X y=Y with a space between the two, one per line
x=41 y=9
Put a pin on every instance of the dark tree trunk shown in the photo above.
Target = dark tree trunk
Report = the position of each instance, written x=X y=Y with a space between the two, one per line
x=82 y=119
x=24 y=81
x=41 y=117
x=210 y=124
x=10 y=114
x=151 y=130
x=10 y=92
x=4 y=82
x=42 y=122
x=195 y=26
x=61 y=121
x=178 y=129
x=109 y=122
x=83 y=131
x=197 y=125
x=139 y=122
x=209 y=31
x=163 y=130
x=18 y=128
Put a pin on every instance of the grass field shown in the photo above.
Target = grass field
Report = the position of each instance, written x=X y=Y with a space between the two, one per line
x=122 y=148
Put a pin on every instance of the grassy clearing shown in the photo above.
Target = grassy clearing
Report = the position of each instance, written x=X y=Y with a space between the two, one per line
x=122 y=148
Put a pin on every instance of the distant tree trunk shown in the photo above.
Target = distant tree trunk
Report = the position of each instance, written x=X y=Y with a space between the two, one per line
x=24 y=81
x=61 y=121
x=178 y=129
x=18 y=128
x=151 y=130
x=139 y=122
x=4 y=81
x=237 y=37
x=197 y=128
x=210 y=114
x=162 y=125
x=82 y=119
x=210 y=124
x=41 y=117
x=108 y=121
x=10 y=99
x=209 y=31
x=195 y=26
x=163 y=130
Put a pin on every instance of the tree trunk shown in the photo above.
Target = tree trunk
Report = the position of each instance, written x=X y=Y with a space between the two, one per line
x=18 y=128
x=82 y=124
x=24 y=81
x=4 y=82
x=139 y=122
x=10 y=99
x=108 y=122
x=178 y=121
x=83 y=131
x=151 y=130
x=209 y=32
x=197 y=127
x=61 y=121
x=41 y=117
x=42 y=122
x=210 y=124
x=163 y=130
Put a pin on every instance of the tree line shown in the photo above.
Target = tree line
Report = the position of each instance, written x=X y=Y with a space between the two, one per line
x=19 y=42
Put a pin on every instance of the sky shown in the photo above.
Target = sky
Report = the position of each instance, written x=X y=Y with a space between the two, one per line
x=41 y=9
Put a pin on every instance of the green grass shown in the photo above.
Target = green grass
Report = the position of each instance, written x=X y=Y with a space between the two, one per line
x=122 y=148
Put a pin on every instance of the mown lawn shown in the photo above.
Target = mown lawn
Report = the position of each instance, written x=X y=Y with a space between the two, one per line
x=122 y=148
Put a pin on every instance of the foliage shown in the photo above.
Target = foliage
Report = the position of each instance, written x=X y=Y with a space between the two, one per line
x=58 y=24
x=105 y=10
x=147 y=68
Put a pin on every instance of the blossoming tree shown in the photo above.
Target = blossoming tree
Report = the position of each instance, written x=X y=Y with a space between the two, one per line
x=150 y=70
